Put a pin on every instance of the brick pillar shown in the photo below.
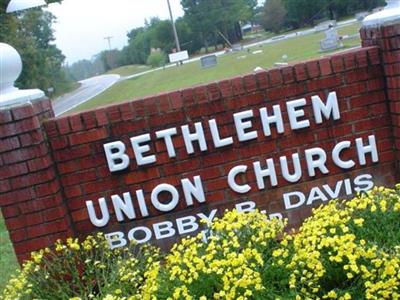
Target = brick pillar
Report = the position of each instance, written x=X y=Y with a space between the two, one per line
x=387 y=38
x=30 y=192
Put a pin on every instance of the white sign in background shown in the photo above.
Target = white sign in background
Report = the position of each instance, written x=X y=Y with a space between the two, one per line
x=178 y=56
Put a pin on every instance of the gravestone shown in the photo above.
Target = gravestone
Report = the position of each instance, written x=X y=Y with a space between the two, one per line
x=331 y=41
x=208 y=61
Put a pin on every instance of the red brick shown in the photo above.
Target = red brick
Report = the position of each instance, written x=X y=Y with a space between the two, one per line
x=54 y=214
x=225 y=87
x=101 y=116
x=275 y=77
x=288 y=74
x=337 y=63
x=22 y=112
x=32 y=179
x=250 y=83
x=214 y=92
x=200 y=94
x=141 y=176
x=393 y=82
x=31 y=138
x=72 y=153
x=18 y=235
x=88 y=136
x=324 y=83
x=63 y=125
x=127 y=113
x=17 y=196
x=373 y=56
x=301 y=72
x=10 y=211
x=8 y=144
x=39 y=163
x=50 y=127
x=176 y=100
x=5 y=186
x=262 y=79
x=18 y=127
x=325 y=66
x=181 y=167
x=47 y=228
x=75 y=122
x=313 y=69
x=10 y=171
x=76 y=178
x=5 y=116
x=89 y=119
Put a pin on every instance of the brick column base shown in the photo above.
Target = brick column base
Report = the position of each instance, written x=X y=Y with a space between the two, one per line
x=387 y=37
x=30 y=193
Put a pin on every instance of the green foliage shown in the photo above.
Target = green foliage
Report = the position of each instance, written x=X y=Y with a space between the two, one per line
x=156 y=59
x=304 y=12
x=31 y=34
x=87 y=269
x=333 y=255
x=273 y=16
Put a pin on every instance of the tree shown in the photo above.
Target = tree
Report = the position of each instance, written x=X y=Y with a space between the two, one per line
x=273 y=16
x=31 y=34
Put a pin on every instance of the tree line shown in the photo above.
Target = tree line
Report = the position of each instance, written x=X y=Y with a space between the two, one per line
x=30 y=33
x=206 y=25
x=278 y=15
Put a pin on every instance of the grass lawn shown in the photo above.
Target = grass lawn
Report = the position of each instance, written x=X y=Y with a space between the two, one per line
x=231 y=65
x=129 y=70
x=8 y=261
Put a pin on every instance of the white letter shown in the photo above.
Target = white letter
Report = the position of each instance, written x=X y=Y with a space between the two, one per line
x=241 y=189
x=316 y=194
x=210 y=217
x=125 y=206
x=331 y=193
x=319 y=163
x=330 y=108
x=275 y=118
x=245 y=206
x=115 y=239
x=117 y=160
x=187 y=224
x=336 y=155
x=261 y=173
x=371 y=148
x=142 y=203
x=198 y=135
x=163 y=230
x=285 y=168
x=241 y=126
x=218 y=142
x=164 y=187
x=288 y=204
x=190 y=190
x=166 y=135
x=140 y=149
x=294 y=114
x=105 y=215
x=365 y=181
x=146 y=231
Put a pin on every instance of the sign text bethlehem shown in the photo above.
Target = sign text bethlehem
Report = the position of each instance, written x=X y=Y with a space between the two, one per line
x=165 y=197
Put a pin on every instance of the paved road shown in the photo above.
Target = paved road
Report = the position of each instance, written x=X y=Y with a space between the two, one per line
x=93 y=86
x=89 y=88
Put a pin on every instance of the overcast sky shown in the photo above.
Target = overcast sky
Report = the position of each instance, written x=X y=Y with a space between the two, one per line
x=82 y=24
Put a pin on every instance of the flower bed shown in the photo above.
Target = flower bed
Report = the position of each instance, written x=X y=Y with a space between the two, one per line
x=346 y=250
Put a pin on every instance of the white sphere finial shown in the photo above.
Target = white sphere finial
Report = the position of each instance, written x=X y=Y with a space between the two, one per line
x=10 y=67
x=390 y=14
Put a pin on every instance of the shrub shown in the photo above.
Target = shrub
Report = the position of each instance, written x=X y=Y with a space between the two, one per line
x=156 y=59
x=82 y=270
x=346 y=250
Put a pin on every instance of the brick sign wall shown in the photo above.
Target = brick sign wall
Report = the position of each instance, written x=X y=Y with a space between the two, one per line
x=176 y=158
